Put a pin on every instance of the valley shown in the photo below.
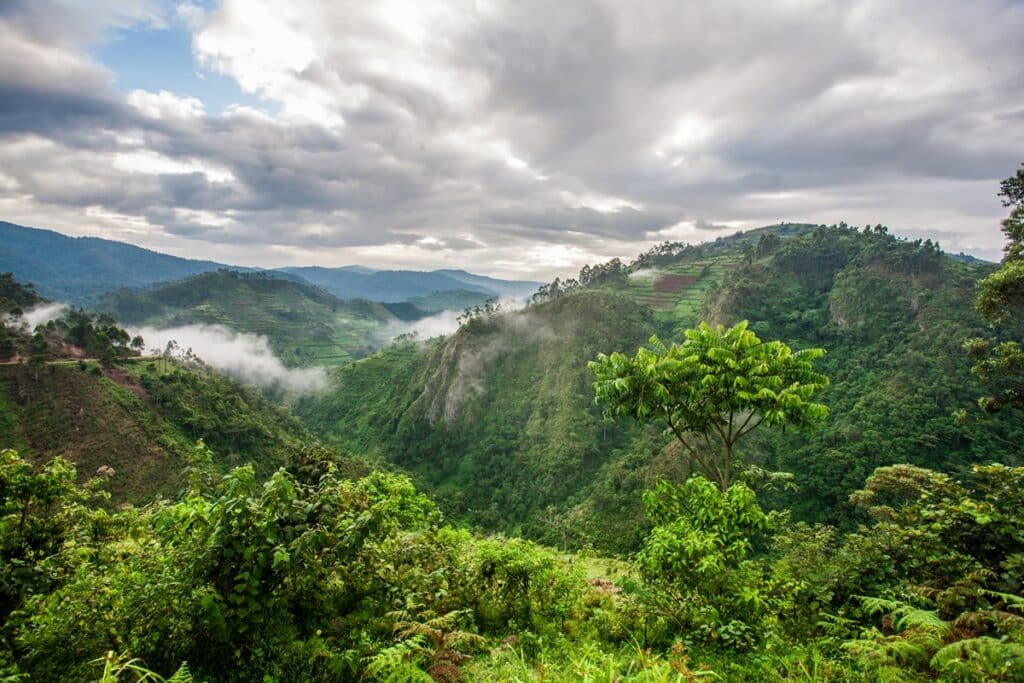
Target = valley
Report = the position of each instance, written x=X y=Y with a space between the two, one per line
x=467 y=486
x=505 y=342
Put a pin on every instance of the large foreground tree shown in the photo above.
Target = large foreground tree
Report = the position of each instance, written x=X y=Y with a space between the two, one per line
x=999 y=363
x=713 y=389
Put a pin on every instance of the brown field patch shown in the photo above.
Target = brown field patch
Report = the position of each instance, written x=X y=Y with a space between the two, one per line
x=673 y=283
x=126 y=381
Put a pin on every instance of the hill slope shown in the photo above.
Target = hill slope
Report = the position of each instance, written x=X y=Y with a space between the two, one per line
x=499 y=422
x=141 y=419
x=303 y=324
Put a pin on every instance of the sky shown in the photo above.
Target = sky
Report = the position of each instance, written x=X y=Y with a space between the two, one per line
x=518 y=139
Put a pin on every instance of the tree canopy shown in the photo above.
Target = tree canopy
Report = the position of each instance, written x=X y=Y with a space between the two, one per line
x=716 y=387
x=999 y=364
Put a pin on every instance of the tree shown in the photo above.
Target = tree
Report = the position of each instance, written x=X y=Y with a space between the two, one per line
x=1001 y=296
x=999 y=365
x=696 y=560
x=716 y=387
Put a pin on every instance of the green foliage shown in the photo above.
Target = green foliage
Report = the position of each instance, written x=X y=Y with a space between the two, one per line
x=883 y=307
x=915 y=638
x=435 y=644
x=719 y=384
x=119 y=668
x=495 y=421
x=325 y=578
x=289 y=579
x=16 y=296
x=943 y=566
x=227 y=578
x=1001 y=294
x=696 y=561
x=999 y=365
x=37 y=511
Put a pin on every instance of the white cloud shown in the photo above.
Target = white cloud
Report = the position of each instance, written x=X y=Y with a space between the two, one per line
x=152 y=163
x=165 y=104
x=247 y=357
x=39 y=314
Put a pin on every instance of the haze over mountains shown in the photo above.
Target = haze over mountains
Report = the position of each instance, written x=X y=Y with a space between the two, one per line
x=78 y=270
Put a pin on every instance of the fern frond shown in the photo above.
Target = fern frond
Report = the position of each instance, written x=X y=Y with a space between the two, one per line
x=991 y=655
x=397 y=658
x=921 y=620
x=876 y=605
x=1014 y=602
x=182 y=675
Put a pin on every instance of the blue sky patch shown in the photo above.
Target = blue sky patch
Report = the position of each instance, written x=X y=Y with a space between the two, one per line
x=161 y=59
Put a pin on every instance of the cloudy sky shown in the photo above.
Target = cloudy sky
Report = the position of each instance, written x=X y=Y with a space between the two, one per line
x=517 y=139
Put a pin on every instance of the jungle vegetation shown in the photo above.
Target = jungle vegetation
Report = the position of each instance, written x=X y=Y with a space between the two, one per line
x=792 y=515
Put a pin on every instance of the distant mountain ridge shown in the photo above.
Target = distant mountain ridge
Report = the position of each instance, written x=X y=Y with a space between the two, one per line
x=394 y=286
x=79 y=270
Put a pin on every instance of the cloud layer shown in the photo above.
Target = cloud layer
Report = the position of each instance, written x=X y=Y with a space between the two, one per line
x=246 y=357
x=40 y=314
x=520 y=139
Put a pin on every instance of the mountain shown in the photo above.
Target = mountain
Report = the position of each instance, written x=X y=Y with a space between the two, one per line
x=77 y=270
x=498 y=420
x=392 y=286
x=506 y=288
x=304 y=324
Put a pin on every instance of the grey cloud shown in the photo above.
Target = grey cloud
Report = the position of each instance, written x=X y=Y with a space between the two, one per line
x=626 y=223
x=504 y=129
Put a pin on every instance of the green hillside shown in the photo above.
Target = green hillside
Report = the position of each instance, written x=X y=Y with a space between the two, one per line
x=320 y=570
x=76 y=387
x=497 y=420
x=140 y=419
x=303 y=324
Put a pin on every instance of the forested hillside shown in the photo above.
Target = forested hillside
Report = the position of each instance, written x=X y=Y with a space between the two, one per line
x=76 y=387
x=498 y=423
x=299 y=564
x=304 y=325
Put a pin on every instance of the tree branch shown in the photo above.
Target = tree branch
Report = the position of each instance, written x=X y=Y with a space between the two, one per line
x=693 y=451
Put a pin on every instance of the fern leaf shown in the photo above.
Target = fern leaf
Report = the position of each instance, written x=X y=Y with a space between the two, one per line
x=992 y=655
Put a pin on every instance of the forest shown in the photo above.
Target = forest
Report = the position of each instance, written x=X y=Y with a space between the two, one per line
x=804 y=465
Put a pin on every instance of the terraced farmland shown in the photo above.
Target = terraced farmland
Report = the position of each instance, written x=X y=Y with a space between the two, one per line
x=677 y=292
